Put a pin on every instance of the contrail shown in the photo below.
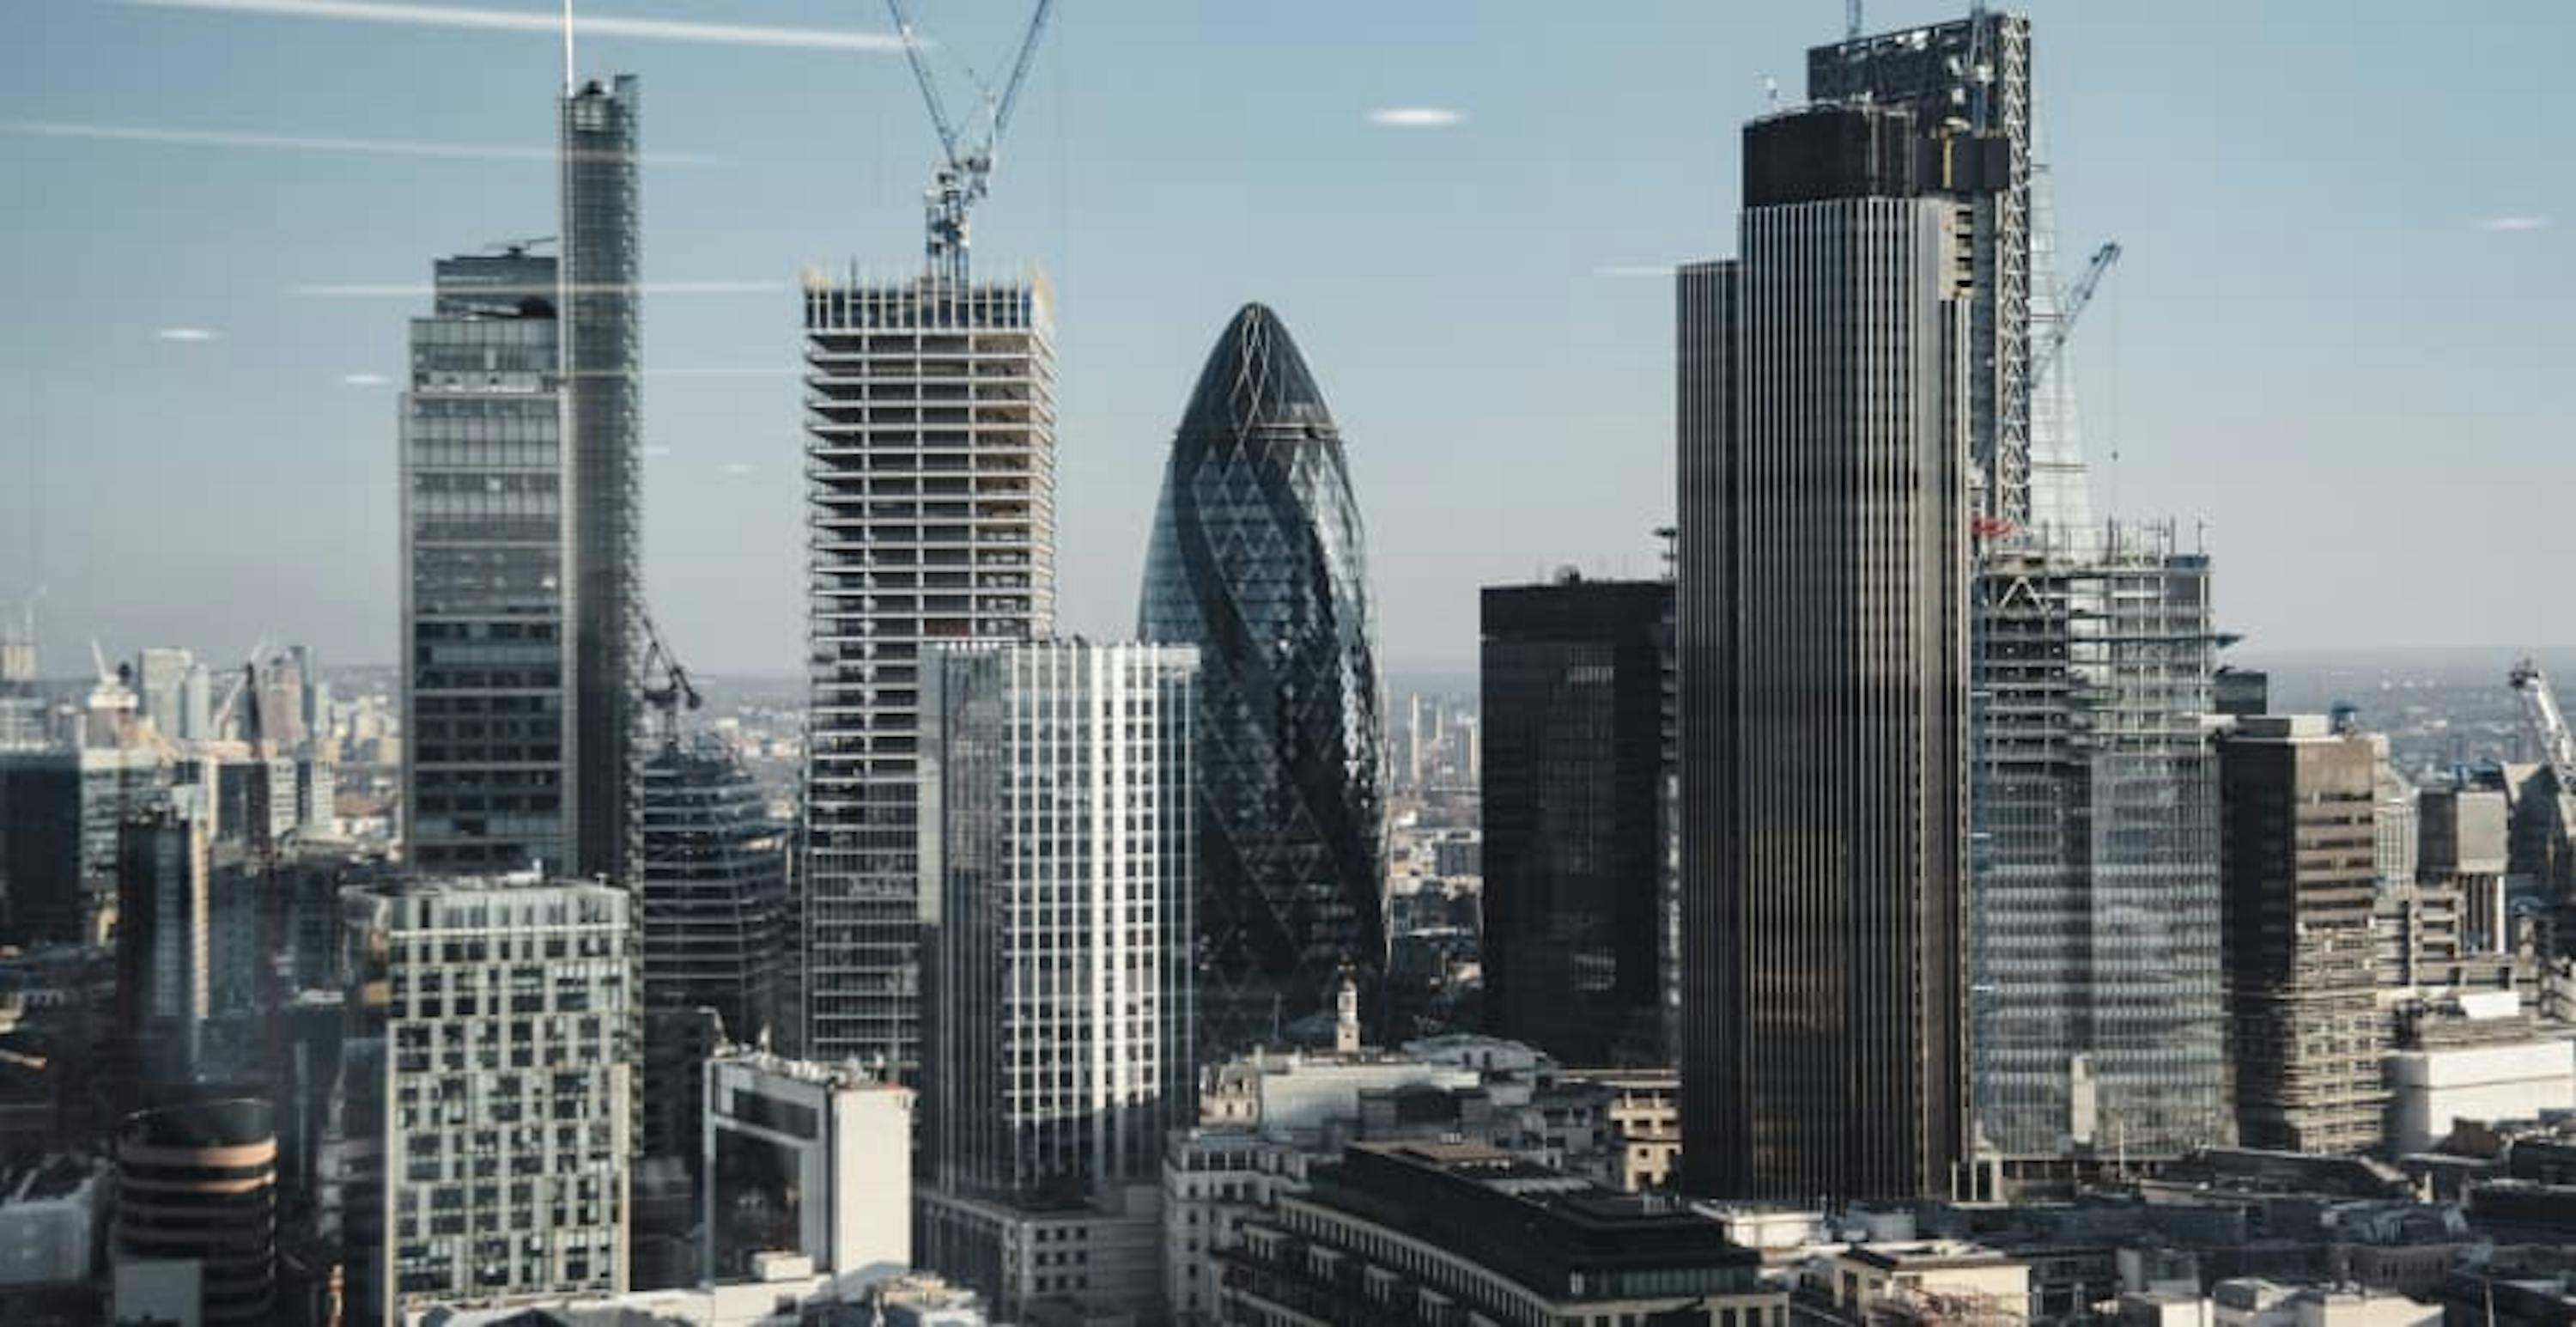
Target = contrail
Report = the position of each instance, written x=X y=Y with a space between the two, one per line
x=311 y=143
x=520 y=20
x=403 y=289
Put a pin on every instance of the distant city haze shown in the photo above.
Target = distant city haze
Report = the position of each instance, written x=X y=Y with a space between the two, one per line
x=2345 y=295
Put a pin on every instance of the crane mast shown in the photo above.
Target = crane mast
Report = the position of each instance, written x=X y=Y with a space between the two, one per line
x=2540 y=710
x=965 y=170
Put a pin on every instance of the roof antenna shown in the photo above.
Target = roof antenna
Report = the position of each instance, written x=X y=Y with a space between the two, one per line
x=567 y=25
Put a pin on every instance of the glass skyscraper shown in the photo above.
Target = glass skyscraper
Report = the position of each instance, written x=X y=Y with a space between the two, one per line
x=1257 y=558
x=1573 y=725
x=485 y=615
x=602 y=269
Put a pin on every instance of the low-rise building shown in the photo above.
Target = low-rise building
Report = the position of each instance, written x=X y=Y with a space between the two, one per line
x=49 y=1222
x=1452 y=1232
x=806 y=1159
x=1925 y=1281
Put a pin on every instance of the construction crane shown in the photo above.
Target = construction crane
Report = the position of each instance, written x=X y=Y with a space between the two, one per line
x=966 y=172
x=2540 y=710
x=673 y=690
x=2070 y=306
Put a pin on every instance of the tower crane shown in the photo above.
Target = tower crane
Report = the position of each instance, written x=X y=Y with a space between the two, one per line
x=673 y=690
x=961 y=178
x=2548 y=725
x=2070 y=306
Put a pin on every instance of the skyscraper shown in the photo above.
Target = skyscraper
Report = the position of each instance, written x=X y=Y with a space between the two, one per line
x=930 y=515
x=161 y=681
x=714 y=877
x=2100 y=1010
x=1823 y=648
x=491 y=1063
x=165 y=932
x=1059 y=1043
x=1056 y=782
x=486 y=664
x=602 y=305
x=1572 y=715
x=1259 y=559
x=2305 y=1030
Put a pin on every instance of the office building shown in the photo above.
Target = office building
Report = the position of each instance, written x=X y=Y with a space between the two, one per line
x=1457 y=1232
x=2297 y=838
x=806 y=1159
x=602 y=270
x=2100 y=1013
x=196 y=1183
x=1258 y=559
x=165 y=932
x=1823 y=653
x=60 y=811
x=491 y=1066
x=1056 y=781
x=715 y=885
x=161 y=682
x=1573 y=716
x=930 y=514
x=486 y=665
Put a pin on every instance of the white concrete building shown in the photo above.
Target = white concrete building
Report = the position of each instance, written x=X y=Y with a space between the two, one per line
x=1056 y=836
x=806 y=1159
x=492 y=1079
x=2433 y=1089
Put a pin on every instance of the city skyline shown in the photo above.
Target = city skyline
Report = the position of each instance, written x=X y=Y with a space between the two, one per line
x=2186 y=361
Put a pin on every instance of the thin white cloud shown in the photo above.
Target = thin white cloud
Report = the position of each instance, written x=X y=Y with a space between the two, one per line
x=365 y=379
x=185 y=334
x=1634 y=270
x=523 y=20
x=401 y=289
x=2500 y=224
x=127 y=133
x=735 y=468
x=1416 y=117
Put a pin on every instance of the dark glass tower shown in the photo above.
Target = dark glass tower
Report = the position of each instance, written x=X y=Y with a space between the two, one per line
x=602 y=264
x=1823 y=596
x=1573 y=719
x=1257 y=560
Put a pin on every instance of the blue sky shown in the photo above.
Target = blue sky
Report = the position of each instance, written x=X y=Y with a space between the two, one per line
x=2335 y=342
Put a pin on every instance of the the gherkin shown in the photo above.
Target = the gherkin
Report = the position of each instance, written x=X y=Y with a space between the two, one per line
x=1257 y=559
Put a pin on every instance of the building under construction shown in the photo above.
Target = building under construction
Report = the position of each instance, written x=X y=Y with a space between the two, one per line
x=2100 y=1016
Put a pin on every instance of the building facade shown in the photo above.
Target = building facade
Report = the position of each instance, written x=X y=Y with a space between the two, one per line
x=1258 y=558
x=1059 y=1050
x=2100 y=1009
x=1573 y=717
x=930 y=516
x=491 y=1071
x=808 y=1159
x=1057 y=827
x=714 y=874
x=165 y=944
x=2304 y=1031
x=487 y=666
x=1823 y=653
x=603 y=268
